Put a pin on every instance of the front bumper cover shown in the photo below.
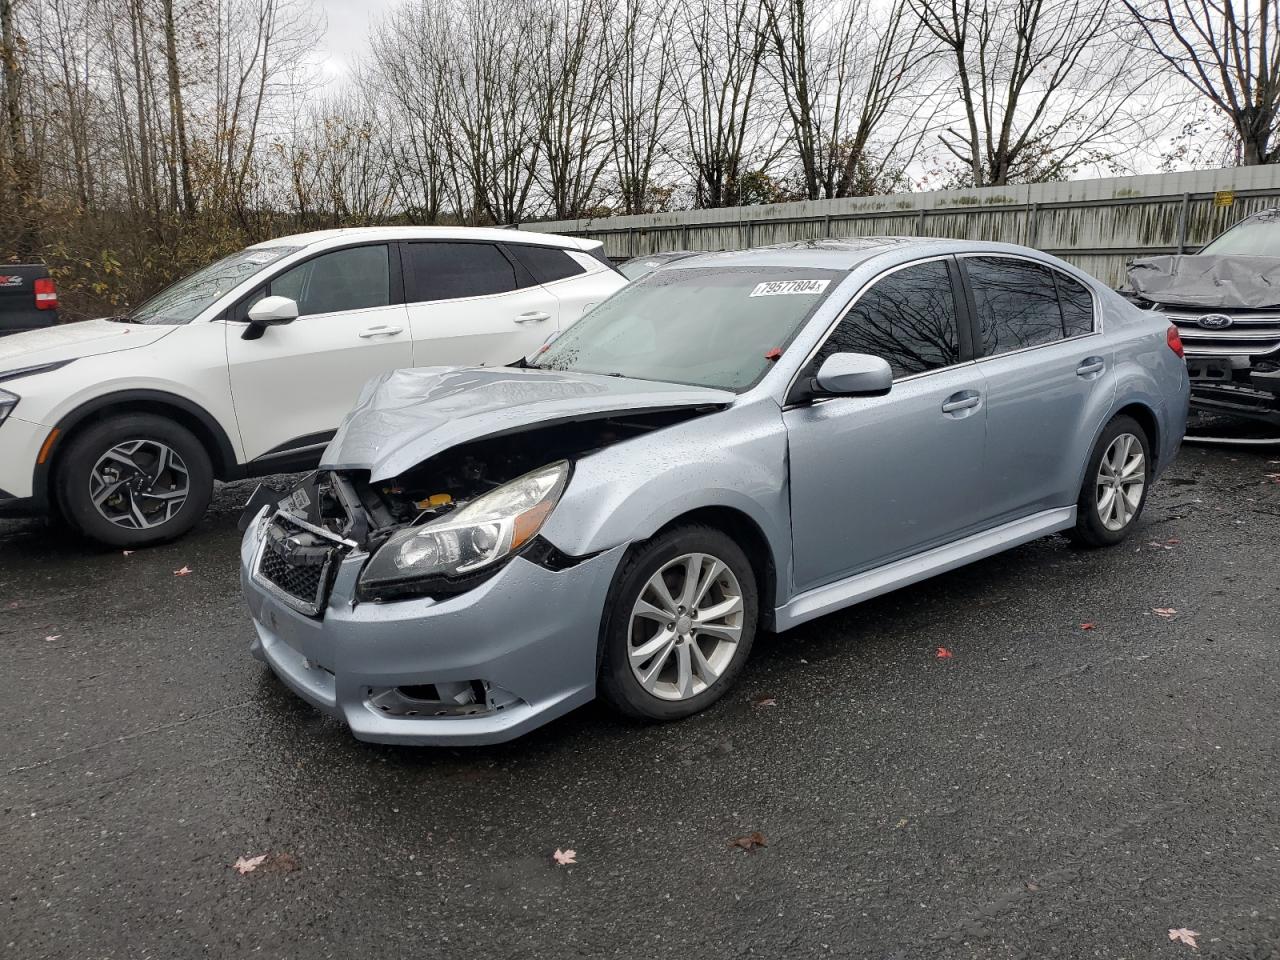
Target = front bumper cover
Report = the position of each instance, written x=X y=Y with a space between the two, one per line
x=527 y=631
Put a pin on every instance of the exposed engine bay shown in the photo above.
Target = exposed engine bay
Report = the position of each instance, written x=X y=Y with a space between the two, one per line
x=350 y=507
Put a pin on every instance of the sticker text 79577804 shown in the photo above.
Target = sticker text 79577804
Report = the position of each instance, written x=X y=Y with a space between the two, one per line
x=778 y=288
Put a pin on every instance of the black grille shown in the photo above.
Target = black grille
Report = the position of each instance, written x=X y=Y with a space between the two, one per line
x=297 y=563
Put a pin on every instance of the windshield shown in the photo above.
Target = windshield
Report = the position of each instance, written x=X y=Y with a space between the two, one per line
x=183 y=301
x=707 y=326
x=1256 y=237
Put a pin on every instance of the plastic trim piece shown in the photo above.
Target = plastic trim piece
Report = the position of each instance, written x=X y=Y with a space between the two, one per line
x=900 y=573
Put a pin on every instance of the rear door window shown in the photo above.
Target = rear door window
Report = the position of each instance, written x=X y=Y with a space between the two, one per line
x=443 y=270
x=1021 y=304
x=547 y=264
x=909 y=318
x=354 y=279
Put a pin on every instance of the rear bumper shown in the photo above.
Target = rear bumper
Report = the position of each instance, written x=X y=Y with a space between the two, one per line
x=528 y=635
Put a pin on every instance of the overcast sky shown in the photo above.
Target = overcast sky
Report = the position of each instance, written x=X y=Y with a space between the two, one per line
x=346 y=37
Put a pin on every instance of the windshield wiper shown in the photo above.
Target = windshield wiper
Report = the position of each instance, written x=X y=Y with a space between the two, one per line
x=122 y=319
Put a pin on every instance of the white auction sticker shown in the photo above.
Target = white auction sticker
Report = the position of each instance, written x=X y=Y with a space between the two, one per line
x=778 y=288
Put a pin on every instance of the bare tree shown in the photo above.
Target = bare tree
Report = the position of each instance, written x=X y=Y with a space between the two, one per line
x=21 y=172
x=1040 y=84
x=718 y=69
x=572 y=75
x=641 y=114
x=840 y=76
x=1230 y=54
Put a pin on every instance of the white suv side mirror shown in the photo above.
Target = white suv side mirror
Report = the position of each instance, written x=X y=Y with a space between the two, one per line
x=273 y=311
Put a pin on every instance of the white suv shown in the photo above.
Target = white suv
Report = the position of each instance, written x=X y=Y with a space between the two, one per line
x=247 y=367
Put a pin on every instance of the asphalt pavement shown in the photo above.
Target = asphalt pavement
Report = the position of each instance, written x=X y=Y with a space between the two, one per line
x=1046 y=790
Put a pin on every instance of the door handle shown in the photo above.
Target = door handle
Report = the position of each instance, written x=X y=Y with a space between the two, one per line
x=964 y=400
x=1090 y=367
x=533 y=316
x=381 y=330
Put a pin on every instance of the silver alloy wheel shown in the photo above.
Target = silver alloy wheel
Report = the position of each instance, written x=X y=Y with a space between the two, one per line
x=685 y=626
x=1122 y=476
x=139 y=484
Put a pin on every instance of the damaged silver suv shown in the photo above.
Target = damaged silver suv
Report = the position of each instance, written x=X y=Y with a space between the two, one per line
x=737 y=442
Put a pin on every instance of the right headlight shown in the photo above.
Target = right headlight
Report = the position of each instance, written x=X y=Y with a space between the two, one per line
x=472 y=537
x=7 y=402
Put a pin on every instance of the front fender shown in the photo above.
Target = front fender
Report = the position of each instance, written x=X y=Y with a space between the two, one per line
x=735 y=459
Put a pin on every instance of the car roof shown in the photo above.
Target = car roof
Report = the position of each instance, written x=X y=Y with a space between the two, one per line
x=846 y=253
x=493 y=234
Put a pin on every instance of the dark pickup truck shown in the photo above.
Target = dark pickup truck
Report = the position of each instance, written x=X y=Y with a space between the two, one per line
x=1225 y=301
x=28 y=299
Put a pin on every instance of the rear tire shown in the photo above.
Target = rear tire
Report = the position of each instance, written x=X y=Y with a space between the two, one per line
x=134 y=480
x=1116 y=481
x=671 y=649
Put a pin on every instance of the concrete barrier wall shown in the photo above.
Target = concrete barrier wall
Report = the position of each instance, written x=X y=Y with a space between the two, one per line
x=1099 y=225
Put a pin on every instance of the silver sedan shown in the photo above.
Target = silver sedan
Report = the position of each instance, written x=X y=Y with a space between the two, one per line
x=738 y=442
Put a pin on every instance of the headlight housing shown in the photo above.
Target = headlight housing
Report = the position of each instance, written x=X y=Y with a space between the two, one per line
x=472 y=537
x=7 y=402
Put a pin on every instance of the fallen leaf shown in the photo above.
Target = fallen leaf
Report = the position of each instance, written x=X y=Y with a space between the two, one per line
x=54 y=636
x=1166 y=612
x=564 y=857
x=1183 y=935
x=750 y=843
x=901 y=823
x=184 y=572
x=249 y=864
x=1173 y=541
x=760 y=702
x=944 y=654
x=127 y=553
x=1087 y=626
x=1032 y=886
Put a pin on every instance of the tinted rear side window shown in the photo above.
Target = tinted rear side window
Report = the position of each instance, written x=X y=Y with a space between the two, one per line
x=1017 y=303
x=908 y=318
x=1077 y=306
x=440 y=270
x=547 y=264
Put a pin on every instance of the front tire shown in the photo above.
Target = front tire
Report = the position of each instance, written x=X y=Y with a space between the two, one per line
x=679 y=623
x=134 y=480
x=1115 y=487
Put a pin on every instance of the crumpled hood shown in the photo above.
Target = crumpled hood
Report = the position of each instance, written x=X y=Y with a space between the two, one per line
x=69 y=341
x=406 y=416
x=1208 y=280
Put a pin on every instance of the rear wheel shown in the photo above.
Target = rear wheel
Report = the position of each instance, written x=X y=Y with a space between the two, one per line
x=681 y=618
x=134 y=480
x=1115 y=485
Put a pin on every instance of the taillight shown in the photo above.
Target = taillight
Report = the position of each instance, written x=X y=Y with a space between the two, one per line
x=1175 y=341
x=46 y=295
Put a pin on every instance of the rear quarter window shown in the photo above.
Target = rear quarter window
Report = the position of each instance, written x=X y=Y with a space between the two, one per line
x=1077 y=306
x=547 y=264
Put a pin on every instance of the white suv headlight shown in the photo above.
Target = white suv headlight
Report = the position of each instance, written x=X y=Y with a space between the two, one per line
x=474 y=536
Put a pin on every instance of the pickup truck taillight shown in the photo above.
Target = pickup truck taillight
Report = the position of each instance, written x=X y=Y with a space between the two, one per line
x=1175 y=341
x=46 y=294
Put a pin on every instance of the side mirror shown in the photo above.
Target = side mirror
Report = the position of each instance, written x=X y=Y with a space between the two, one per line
x=273 y=311
x=853 y=375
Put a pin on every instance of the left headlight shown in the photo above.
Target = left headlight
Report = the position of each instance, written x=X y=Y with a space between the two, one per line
x=472 y=537
x=7 y=402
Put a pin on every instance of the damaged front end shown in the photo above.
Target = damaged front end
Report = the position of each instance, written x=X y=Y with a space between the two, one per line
x=442 y=527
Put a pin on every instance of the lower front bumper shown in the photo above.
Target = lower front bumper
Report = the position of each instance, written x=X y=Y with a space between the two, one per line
x=529 y=632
